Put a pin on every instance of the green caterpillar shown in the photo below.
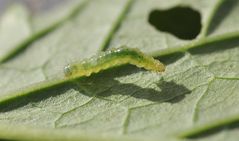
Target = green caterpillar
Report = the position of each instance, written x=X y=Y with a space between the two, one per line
x=112 y=58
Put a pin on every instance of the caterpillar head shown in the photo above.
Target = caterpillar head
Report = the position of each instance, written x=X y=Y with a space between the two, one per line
x=68 y=70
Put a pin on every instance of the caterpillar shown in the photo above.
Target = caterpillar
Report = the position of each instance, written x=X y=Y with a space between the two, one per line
x=112 y=58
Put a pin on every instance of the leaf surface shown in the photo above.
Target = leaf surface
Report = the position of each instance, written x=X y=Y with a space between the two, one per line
x=196 y=94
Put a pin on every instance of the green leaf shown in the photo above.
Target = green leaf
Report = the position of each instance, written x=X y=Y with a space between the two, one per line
x=38 y=25
x=15 y=26
x=196 y=97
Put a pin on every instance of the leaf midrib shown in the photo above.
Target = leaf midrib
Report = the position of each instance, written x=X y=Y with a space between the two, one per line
x=196 y=44
x=169 y=51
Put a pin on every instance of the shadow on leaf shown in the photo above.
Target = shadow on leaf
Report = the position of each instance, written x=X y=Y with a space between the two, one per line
x=167 y=91
x=103 y=84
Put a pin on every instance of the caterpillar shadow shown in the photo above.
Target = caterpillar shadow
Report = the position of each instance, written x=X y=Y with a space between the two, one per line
x=168 y=91
x=107 y=85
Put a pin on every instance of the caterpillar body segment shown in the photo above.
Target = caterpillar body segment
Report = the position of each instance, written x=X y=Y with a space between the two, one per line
x=112 y=58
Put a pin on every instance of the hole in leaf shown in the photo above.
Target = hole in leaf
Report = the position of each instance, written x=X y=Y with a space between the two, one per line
x=183 y=22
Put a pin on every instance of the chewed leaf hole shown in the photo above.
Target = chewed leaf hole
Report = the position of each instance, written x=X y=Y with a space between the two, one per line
x=183 y=22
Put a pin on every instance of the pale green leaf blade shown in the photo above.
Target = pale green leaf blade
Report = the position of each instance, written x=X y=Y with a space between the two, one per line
x=196 y=94
x=144 y=36
x=39 y=27
x=15 y=26
x=225 y=16
x=52 y=53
